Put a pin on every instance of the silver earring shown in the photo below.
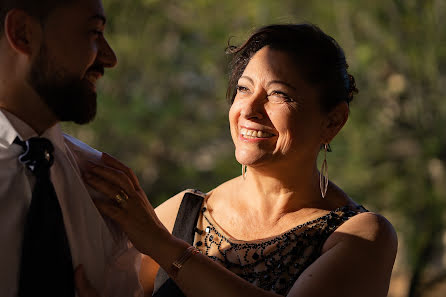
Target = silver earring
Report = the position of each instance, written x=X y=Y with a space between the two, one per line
x=244 y=171
x=323 y=175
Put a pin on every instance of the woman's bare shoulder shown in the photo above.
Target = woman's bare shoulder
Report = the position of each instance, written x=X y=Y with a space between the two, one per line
x=359 y=254
x=168 y=210
x=369 y=227
x=226 y=189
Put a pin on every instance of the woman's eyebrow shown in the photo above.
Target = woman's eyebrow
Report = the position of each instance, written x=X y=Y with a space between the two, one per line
x=248 y=78
x=281 y=82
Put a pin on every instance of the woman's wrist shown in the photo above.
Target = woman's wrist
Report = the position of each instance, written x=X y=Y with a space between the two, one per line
x=165 y=249
x=178 y=264
x=155 y=242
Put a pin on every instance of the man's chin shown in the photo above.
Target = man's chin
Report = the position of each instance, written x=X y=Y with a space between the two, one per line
x=84 y=118
x=80 y=110
x=83 y=106
x=85 y=115
x=90 y=86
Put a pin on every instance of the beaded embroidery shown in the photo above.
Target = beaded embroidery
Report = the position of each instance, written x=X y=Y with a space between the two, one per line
x=273 y=264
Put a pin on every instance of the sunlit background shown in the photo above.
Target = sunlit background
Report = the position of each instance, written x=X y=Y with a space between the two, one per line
x=163 y=111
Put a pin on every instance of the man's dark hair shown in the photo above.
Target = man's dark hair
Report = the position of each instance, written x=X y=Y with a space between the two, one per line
x=317 y=56
x=39 y=9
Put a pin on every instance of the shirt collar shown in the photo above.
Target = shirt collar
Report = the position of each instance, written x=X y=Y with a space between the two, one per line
x=11 y=127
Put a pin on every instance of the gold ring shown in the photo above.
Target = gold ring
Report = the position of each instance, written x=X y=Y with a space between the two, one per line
x=121 y=197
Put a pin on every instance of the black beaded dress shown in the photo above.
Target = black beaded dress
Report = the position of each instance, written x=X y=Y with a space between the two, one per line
x=273 y=263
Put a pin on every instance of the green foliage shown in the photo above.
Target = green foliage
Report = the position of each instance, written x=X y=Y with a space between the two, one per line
x=163 y=109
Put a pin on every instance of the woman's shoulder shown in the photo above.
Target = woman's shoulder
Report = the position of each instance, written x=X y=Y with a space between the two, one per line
x=168 y=210
x=370 y=230
x=369 y=226
x=360 y=226
x=225 y=190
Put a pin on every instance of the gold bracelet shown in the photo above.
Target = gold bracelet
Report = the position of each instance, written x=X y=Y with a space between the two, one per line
x=178 y=264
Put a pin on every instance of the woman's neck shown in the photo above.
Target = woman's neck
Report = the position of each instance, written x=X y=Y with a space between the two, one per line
x=281 y=191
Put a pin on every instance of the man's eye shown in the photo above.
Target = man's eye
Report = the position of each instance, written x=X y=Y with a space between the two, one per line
x=97 y=32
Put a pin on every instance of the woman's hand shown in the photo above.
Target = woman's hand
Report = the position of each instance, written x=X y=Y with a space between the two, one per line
x=127 y=204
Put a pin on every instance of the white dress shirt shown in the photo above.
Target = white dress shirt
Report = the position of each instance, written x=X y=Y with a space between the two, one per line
x=110 y=262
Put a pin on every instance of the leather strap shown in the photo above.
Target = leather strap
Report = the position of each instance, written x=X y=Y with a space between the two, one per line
x=184 y=229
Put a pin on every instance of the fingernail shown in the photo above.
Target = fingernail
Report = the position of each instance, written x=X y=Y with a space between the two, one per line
x=106 y=157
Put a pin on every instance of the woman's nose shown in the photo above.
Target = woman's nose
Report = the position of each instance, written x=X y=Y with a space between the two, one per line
x=254 y=106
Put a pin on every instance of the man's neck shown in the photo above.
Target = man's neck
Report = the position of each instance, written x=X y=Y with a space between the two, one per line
x=36 y=115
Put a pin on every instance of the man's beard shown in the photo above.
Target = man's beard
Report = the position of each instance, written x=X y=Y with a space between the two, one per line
x=68 y=97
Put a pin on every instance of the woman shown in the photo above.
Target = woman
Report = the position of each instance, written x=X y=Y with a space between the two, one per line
x=281 y=228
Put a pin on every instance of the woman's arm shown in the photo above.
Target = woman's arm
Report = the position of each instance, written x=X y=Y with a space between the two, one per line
x=357 y=258
x=166 y=213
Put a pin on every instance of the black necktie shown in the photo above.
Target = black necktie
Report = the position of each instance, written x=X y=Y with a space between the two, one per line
x=46 y=268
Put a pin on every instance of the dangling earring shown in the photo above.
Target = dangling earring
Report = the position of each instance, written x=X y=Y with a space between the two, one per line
x=323 y=175
x=244 y=171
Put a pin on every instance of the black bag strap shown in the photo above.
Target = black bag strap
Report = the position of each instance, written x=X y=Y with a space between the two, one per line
x=184 y=228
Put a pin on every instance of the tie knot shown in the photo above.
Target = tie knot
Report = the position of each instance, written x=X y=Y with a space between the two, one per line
x=37 y=155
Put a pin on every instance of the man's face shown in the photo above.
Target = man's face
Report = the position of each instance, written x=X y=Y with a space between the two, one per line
x=72 y=57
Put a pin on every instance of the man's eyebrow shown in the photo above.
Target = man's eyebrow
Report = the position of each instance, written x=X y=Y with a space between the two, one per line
x=98 y=17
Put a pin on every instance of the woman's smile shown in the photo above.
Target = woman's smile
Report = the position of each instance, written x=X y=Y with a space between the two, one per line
x=250 y=135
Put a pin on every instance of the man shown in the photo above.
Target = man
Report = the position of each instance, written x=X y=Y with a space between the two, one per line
x=52 y=52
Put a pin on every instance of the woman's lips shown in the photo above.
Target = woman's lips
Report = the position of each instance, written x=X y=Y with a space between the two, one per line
x=254 y=134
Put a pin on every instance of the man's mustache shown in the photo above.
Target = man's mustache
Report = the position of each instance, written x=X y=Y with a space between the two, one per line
x=96 y=68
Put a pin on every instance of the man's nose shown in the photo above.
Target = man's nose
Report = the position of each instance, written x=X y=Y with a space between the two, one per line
x=106 y=55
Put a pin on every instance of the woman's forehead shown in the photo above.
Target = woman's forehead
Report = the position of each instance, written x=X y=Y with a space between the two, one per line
x=271 y=64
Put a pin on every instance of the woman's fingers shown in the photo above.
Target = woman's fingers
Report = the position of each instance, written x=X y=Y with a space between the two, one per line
x=103 y=176
x=83 y=285
x=110 y=190
x=110 y=210
x=115 y=163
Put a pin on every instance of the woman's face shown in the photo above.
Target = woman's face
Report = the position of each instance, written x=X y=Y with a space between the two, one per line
x=275 y=116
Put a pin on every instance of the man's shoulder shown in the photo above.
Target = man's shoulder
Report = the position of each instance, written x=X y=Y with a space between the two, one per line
x=77 y=145
x=81 y=151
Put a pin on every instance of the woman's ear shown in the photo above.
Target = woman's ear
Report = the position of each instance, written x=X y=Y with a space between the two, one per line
x=336 y=119
x=20 y=30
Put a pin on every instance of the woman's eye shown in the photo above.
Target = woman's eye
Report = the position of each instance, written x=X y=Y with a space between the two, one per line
x=242 y=89
x=278 y=96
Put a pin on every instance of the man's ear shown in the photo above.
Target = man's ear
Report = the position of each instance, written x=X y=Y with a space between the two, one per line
x=336 y=119
x=21 y=31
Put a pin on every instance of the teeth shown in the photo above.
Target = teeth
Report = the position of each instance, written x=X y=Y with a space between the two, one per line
x=254 y=134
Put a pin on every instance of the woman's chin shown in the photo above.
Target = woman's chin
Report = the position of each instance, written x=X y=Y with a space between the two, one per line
x=252 y=161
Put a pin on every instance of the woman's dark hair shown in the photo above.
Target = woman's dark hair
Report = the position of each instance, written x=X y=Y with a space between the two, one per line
x=318 y=57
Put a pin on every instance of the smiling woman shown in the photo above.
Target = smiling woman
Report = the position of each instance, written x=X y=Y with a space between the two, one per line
x=281 y=228
x=272 y=97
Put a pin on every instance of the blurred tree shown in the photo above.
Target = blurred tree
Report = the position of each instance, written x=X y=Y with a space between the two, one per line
x=163 y=112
